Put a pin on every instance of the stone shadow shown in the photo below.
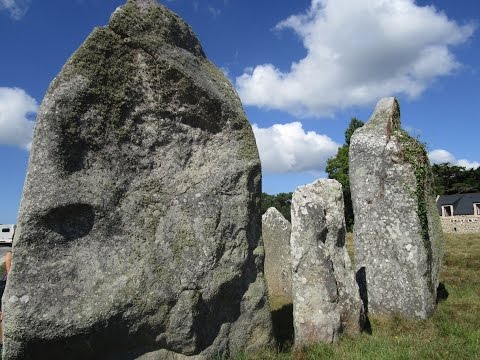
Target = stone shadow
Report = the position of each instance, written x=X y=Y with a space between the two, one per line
x=442 y=292
x=361 y=279
x=283 y=332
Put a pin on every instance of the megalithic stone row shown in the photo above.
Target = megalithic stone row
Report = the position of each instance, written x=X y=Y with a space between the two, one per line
x=278 y=268
x=140 y=220
x=326 y=299
x=398 y=240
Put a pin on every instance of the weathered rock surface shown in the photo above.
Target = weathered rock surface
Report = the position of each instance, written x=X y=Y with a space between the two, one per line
x=326 y=299
x=398 y=238
x=278 y=267
x=139 y=224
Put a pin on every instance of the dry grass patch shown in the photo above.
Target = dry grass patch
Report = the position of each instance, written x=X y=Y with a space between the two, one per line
x=350 y=247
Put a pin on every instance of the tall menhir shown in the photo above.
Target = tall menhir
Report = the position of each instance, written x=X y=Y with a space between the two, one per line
x=398 y=239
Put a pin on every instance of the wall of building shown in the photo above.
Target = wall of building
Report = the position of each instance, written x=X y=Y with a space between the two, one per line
x=462 y=224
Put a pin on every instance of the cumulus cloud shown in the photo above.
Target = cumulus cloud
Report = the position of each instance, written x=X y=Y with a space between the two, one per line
x=357 y=52
x=288 y=148
x=468 y=164
x=440 y=156
x=16 y=106
x=16 y=8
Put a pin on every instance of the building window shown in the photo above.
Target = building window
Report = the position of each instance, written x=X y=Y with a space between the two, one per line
x=447 y=210
x=6 y=230
x=476 y=209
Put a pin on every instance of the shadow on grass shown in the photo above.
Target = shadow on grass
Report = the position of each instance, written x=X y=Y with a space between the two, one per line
x=283 y=326
x=442 y=292
x=366 y=327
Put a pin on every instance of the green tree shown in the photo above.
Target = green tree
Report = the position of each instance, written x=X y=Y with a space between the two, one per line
x=354 y=125
x=452 y=179
x=337 y=168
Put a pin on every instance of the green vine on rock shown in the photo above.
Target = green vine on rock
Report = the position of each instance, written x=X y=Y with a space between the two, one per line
x=413 y=152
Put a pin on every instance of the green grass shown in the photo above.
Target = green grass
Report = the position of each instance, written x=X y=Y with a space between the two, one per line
x=452 y=333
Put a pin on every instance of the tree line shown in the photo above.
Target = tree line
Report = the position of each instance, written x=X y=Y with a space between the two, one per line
x=448 y=179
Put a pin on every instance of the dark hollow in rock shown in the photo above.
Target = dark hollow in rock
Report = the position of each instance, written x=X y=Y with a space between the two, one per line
x=72 y=221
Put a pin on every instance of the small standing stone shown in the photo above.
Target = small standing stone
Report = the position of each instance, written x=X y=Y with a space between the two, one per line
x=398 y=239
x=278 y=268
x=326 y=300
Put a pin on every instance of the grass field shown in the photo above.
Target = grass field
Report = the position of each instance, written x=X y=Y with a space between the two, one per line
x=452 y=333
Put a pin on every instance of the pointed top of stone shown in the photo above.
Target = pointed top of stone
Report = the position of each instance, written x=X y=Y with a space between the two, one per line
x=274 y=217
x=146 y=23
x=144 y=4
x=386 y=116
x=272 y=212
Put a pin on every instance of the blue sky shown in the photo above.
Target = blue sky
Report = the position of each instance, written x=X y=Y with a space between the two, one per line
x=302 y=68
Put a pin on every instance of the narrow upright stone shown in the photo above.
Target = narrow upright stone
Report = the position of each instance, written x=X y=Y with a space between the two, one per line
x=398 y=242
x=326 y=300
x=139 y=225
x=278 y=267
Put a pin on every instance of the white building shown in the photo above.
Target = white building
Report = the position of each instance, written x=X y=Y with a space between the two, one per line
x=6 y=233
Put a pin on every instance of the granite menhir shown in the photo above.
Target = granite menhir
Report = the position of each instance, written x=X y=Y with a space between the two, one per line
x=326 y=299
x=398 y=238
x=278 y=268
x=139 y=227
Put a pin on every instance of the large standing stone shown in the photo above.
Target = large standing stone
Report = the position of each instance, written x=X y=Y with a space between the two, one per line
x=278 y=267
x=140 y=221
x=397 y=229
x=326 y=300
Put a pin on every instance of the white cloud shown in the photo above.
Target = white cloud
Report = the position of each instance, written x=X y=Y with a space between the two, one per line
x=16 y=8
x=357 y=52
x=288 y=148
x=15 y=107
x=468 y=164
x=440 y=156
